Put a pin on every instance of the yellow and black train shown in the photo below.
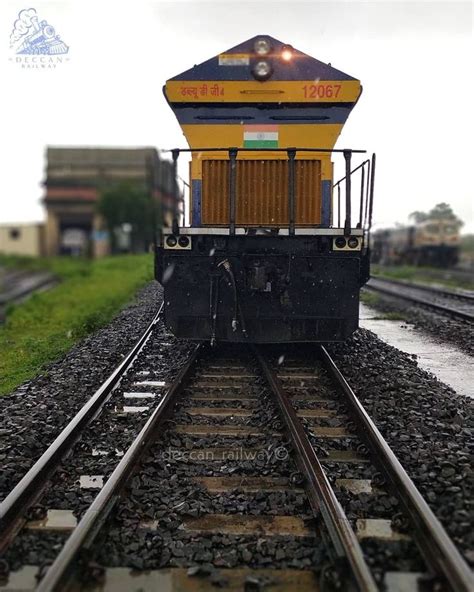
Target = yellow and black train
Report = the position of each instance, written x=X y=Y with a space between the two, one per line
x=275 y=251
x=433 y=242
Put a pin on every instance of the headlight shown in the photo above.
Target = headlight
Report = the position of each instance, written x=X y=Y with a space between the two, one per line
x=261 y=47
x=178 y=243
x=262 y=70
x=353 y=242
x=286 y=53
x=340 y=242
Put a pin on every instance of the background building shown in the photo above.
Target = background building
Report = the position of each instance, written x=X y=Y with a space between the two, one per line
x=75 y=178
x=22 y=239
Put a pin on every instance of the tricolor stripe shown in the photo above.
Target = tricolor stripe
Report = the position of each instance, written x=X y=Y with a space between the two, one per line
x=260 y=136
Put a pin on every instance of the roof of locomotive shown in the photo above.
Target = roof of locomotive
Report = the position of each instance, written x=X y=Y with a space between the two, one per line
x=233 y=64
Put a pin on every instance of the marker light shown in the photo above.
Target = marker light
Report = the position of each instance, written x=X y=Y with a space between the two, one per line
x=262 y=70
x=183 y=241
x=286 y=53
x=261 y=47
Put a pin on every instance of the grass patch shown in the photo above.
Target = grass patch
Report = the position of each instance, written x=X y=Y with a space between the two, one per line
x=393 y=316
x=369 y=298
x=48 y=324
x=424 y=275
x=374 y=301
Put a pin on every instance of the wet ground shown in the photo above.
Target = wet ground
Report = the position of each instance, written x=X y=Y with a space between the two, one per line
x=444 y=360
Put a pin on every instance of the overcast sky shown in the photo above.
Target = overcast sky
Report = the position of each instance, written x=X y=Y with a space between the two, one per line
x=414 y=60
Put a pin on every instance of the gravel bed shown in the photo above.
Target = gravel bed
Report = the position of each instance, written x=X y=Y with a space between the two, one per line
x=110 y=435
x=106 y=439
x=35 y=548
x=396 y=556
x=443 y=328
x=34 y=414
x=166 y=491
x=141 y=549
x=379 y=504
x=427 y=425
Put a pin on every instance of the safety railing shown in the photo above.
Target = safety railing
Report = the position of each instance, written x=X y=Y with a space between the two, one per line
x=366 y=171
x=233 y=153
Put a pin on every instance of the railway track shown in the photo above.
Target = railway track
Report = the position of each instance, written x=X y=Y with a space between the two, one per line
x=30 y=488
x=240 y=424
x=16 y=286
x=459 y=305
x=461 y=276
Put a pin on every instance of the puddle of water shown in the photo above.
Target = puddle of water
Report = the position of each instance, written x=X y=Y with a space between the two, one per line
x=445 y=361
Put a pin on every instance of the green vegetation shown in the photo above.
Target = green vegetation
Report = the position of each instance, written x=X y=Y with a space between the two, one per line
x=393 y=315
x=441 y=211
x=467 y=246
x=373 y=300
x=128 y=205
x=369 y=298
x=48 y=324
x=450 y=278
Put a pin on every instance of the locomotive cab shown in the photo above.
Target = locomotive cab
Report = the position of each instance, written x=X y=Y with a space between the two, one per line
x=275 y=251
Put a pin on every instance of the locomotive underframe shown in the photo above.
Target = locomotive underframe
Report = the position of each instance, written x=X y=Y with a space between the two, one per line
x=262 y=289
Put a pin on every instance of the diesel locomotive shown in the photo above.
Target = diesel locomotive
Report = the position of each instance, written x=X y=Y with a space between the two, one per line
x=275 y=250
x=433 y=242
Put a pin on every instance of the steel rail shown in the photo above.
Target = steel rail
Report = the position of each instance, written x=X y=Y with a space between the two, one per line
x=438 y=549
x=29 y=488
x=82 y=537
x=48 y=281
x=465 y=316
x=444 y=292
x=343 y=537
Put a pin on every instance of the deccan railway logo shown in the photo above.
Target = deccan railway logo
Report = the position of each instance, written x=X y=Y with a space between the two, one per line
x=36 y=43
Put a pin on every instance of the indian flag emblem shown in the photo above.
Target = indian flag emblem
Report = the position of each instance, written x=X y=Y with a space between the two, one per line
x=260 y=136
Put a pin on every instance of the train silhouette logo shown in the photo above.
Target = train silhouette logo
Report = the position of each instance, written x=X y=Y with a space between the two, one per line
x=30 y=36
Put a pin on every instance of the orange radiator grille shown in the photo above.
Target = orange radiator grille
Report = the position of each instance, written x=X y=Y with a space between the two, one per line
x=261 y=192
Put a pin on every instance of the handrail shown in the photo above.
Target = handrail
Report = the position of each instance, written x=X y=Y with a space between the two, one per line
x=220 y=149
x=232 y=189
x=352 y=172
x=366 y=205
x=366 y=198
x=347 y=223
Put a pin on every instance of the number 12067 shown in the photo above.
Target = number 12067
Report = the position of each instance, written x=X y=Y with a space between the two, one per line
x=321 y=91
